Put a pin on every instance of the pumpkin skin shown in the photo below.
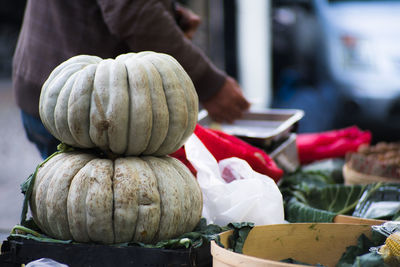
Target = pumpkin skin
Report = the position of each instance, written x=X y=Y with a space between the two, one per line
x=136 y=104
x=78 y=196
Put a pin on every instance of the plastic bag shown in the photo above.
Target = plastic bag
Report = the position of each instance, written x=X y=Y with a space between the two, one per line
x=45 y=262
x=232 y=190
x=222 y=146
x=379 y=202
x=330 y=144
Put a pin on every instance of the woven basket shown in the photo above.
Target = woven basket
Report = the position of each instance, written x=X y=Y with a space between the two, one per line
x=352 y=176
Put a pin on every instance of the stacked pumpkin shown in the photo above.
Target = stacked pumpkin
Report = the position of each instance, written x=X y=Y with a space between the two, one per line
x=137 y=109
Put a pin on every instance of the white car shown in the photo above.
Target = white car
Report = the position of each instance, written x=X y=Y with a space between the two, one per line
x=361 y=55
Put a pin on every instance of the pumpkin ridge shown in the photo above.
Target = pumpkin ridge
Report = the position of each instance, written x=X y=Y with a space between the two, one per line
x=146 y=159
x=38 y=180
x=125 y=195
x=190 y=95
x=99 y=101
x=159 y=107
x=52 y=93
x=176 y=106
x=117 y=107
x=182 y=188
x=194 y=197
x=128 y=123
x=149 y=210
x=76 y=207
x=140 y=101
x=79 y=105
x=98 y=202
x=61 y=111
x=113 y=200
x=57 y=194
x=42 y=195
x=169 y=202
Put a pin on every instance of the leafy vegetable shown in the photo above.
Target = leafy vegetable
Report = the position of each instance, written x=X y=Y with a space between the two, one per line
x=304 y=181
x=360 y=255
x=313 y=195
x=322 y=204
x=202 y=234
x=240 y=233
x=293 y=261
x=24 y=232
x=371 y=259
x=297 y=211
x=362 y=247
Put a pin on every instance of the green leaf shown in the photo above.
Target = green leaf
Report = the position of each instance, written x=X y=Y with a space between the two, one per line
x=322 y=204
x=338 y=198
x=362 y=247
x=306 y=179
x=296 y=211
x=239 y=235
x=293 y=261
x=371 y=259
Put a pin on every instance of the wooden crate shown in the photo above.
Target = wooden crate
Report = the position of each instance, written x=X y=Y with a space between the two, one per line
x=311 y=243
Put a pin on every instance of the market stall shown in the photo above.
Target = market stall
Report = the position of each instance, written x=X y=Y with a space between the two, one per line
x=140 y=179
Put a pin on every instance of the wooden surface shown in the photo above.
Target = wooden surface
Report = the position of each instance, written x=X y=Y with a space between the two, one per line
x=356 y=220
x=311 y=243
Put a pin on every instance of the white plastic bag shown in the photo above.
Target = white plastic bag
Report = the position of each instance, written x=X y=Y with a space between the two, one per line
x=45 y=262
x=232 y=190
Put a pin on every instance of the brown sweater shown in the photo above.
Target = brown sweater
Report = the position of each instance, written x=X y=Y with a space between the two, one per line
x=55 y=30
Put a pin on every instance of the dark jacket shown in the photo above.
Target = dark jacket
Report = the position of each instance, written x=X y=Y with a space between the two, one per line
x=55 y=30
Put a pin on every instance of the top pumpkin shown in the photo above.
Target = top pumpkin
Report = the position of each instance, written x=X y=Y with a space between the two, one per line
x=138 y=103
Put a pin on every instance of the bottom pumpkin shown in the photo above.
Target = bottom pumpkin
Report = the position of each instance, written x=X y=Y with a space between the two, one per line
x=78 y=196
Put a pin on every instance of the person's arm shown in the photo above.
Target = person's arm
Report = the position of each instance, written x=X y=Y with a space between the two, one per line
x=228 y=104
x=150 y=25
x=187 y=20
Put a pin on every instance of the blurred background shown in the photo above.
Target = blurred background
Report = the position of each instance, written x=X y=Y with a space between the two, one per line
x=339 y=61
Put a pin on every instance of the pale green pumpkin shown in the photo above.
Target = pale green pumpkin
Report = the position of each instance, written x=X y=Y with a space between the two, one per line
x=137 y=104
x=78 y=196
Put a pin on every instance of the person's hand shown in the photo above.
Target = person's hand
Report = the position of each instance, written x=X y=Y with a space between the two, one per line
x=187 y=21
x=228 y=104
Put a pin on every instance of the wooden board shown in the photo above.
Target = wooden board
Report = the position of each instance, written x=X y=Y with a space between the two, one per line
x=311 y=243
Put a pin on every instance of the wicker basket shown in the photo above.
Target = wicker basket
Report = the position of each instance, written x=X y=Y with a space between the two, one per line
x=352 y=176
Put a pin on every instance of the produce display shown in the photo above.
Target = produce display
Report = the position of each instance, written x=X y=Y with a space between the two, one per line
x=138 y=103
x=111 y=180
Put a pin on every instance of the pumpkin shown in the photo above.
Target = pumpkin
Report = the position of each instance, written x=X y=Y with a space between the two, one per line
x=82 y=197
x=136 y=104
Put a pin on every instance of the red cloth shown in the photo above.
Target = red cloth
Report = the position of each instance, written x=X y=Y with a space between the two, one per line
x=330 y=144
x=222 y=146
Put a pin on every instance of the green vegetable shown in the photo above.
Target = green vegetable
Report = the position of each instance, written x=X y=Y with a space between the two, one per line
x=360 y=255
x=322 y=204
x=240 y=233
x=201 y=235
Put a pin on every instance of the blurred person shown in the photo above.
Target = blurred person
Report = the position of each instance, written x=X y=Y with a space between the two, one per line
x=55 y=30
